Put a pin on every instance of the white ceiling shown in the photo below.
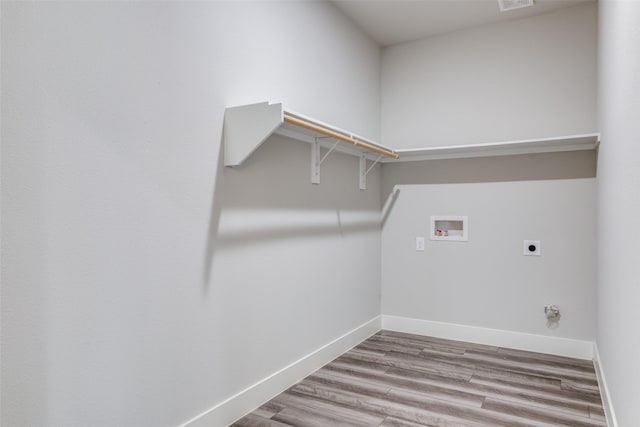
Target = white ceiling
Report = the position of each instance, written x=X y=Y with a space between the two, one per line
x=395 y=21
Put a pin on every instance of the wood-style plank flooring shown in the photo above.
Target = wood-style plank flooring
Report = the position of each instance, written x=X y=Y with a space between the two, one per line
x=402 y=380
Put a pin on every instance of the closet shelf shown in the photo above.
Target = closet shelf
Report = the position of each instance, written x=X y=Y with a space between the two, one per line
x=528 y=146
x=248 y=126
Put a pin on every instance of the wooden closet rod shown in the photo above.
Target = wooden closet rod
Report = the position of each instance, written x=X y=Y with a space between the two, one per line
x=337 y=135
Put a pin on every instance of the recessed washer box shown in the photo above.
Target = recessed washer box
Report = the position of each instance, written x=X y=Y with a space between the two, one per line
x=449 y=227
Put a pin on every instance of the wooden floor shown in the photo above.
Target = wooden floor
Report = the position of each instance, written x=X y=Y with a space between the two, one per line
x=401 y=380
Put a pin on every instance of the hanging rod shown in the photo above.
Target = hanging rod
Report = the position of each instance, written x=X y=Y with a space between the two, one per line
x=288 y=118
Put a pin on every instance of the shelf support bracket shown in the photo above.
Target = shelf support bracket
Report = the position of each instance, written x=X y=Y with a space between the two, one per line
x=364 y=171
x=316 y=161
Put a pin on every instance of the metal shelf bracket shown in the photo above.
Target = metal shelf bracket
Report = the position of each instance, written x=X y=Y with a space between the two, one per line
x=364 y=171
x=316 y=160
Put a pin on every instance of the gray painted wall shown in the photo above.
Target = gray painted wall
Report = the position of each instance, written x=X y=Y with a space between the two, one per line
x=141 y=280
x=525 y=167
x=487 y=282
x=528 y=78
x=619 y=206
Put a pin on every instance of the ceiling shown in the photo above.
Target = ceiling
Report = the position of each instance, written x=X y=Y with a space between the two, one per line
x=390 y=22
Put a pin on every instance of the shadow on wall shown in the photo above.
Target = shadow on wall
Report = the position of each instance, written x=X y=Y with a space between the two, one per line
x=270 y=197
x=522 y=167
x=239 y=238
x=214 y=219
x=388 y=205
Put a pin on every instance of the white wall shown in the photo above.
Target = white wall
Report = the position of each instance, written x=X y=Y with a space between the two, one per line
x=487 y=282
x=527 y=78
x=619 y=205
x=523 y=79
x=521 y=167
x=143 y=283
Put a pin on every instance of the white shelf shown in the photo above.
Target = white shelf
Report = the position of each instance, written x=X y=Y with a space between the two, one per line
x=528 y=146
x=247 y=127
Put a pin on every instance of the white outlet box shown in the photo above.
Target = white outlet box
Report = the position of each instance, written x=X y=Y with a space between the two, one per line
x=531 y=248
x=420 y=244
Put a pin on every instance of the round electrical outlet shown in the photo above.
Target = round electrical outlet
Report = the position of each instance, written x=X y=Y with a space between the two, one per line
x=531 y=248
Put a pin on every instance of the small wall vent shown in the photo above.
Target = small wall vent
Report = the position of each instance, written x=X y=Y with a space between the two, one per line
x=506 y=5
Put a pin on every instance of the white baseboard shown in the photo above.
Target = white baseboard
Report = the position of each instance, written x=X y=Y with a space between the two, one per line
x=495 y=337
x=604 y=389
x=235 y=407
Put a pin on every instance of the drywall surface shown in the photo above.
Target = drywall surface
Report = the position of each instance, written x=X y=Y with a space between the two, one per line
x=619 y=206
x=143 y=283
x=521 y=167
x=528 y=78
x=487 y=281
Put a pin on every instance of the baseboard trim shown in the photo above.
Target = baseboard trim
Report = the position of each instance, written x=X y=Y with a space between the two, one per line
x=235 y=407
x=495 y=337
x=604 y=389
